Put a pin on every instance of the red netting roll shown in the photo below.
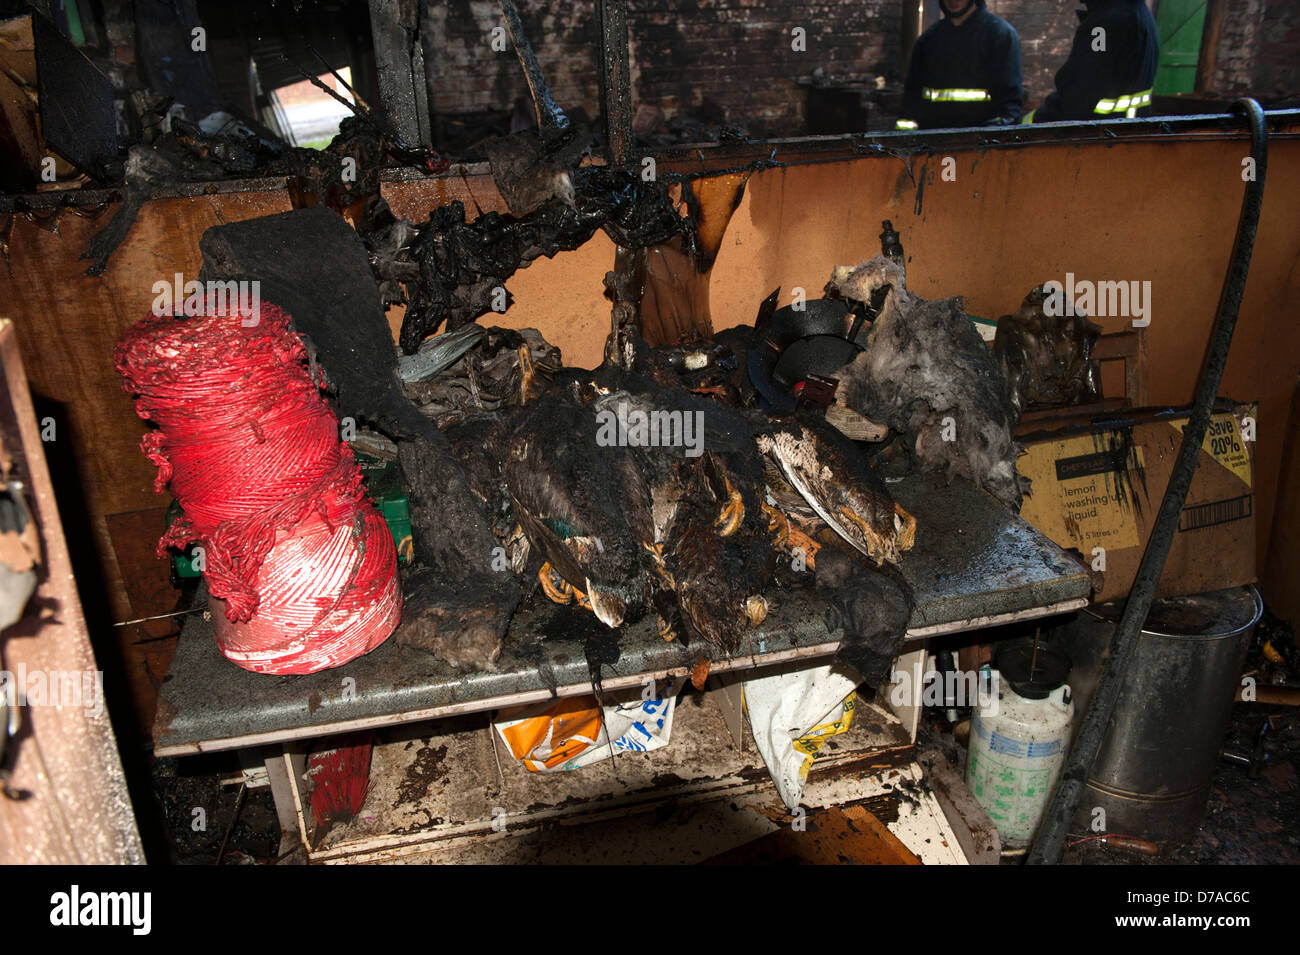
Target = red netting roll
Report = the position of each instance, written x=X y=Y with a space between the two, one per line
x=298 y=561
x=325 y=599
x=241 y=424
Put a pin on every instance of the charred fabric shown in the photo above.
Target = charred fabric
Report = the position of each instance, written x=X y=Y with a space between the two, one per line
x=703 y=529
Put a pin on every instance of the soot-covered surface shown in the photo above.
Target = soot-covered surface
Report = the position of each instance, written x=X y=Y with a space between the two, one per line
x=313 y=265
x=973 y=559
x=206 y=823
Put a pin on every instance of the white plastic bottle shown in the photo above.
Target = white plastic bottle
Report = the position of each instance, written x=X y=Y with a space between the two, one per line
x=1018 y=744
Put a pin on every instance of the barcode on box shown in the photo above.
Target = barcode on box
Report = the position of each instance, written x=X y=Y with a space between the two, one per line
x=1215 y=512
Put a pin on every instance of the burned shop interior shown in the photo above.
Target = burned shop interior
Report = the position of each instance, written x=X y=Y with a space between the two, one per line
x=649 y=432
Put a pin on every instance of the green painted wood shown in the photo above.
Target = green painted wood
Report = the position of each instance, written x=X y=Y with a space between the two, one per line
x=1181 y=23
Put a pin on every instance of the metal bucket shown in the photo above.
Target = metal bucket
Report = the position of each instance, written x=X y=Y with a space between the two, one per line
x=1152 y=775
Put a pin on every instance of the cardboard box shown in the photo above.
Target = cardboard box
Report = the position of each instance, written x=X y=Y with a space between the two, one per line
x=1098 y=484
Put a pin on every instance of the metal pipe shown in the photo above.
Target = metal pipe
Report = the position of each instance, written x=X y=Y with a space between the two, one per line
x=1052 y=833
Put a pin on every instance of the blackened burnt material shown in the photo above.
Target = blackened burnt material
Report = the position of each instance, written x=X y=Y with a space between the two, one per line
x=530 y=170
x=460 y=263
x=461 y=595
x=459 y=603
x=1047 y=359
x=872 y=607
x=311 y=264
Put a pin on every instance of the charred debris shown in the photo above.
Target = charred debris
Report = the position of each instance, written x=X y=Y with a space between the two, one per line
x=514 y=493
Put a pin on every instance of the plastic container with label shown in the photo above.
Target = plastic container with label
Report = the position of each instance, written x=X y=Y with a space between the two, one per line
x=1019 y=739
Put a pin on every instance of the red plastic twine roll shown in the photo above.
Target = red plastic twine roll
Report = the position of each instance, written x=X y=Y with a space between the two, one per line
x=299 y=562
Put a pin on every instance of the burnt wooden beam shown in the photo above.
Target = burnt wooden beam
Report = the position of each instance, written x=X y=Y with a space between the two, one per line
x=615 y=73
x=909 y=31
x=550 y=118
x=1209 y=57
x=399 y=63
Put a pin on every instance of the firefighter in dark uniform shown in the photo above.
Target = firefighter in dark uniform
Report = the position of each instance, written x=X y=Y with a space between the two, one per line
x=1111 y=68
x=965 y=71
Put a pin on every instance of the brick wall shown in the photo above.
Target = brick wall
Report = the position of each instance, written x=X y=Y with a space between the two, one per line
x=1238 y=40
x=1259 y=49
x=1277 y=62
x=1046 y=29
x=738 y=55
x=731 y=57
x=466 y=74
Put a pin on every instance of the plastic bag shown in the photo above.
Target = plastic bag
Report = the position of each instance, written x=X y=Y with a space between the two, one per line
x=792 y=714
x=559 y=735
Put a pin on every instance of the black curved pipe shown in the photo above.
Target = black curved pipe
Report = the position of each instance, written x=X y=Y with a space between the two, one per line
x=1050 y=841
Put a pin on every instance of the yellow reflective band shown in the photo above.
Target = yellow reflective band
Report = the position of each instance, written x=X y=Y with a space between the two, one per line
x=905 y=124
x=1028 y=118
x=1126 y=104
x=955 y=95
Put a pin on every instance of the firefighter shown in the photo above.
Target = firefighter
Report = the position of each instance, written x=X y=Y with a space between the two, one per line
x=965 y=71
x=1111 y=68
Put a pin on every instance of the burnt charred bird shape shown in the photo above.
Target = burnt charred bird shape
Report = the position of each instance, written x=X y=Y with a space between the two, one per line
x=1047 y=359
x=683 y=530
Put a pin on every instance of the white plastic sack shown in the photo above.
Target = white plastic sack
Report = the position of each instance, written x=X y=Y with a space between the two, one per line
x=792 y=713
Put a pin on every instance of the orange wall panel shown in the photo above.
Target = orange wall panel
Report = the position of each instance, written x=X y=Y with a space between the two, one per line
x=1163 y=212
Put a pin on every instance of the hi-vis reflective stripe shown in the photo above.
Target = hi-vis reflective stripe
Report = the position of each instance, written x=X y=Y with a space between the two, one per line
x=1127 y=104
x=955 y=96
x=905 y=124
